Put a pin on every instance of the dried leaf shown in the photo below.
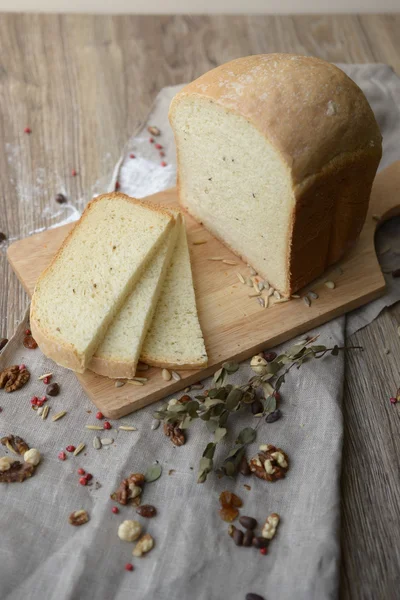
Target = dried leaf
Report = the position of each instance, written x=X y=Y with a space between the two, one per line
x=153 y=473
x=205 y=467
x=233 y=399
x=220 y=433
x=246 y=436
x=210 y=450
x=269 y=405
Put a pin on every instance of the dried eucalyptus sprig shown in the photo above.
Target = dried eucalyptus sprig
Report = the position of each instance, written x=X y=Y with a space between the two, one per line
x=224 y=399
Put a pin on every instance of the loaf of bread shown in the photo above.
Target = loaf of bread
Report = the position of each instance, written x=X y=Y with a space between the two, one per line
x=276 y=157
x=118 y=354
x=78 y=295
x=175 y=338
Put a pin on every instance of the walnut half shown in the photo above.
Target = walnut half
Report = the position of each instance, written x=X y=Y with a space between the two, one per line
x=13 y=378
x=15 y=444
x=270 y=464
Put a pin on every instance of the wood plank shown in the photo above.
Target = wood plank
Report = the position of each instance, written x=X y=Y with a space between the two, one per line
x=234 y=325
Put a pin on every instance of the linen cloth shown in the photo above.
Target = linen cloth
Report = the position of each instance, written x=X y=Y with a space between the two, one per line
x=43 y=557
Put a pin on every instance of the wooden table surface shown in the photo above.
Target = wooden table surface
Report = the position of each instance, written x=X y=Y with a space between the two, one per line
x=83 y=84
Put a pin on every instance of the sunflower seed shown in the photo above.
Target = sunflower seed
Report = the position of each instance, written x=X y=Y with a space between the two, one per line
x=142 y=367
x=282 y=300
x=45 y=412
x=255 y=286
x=277 y=295
x=155 y=424
x=197 y=386
x=307 y=300
x=216 y=258
x=199 y=242
x=266 y=285
x=255 y=295
x=175 y=376
x=313 y=295
x=249 y=282
x=106 y=441
x=94 y=427
x=44 y=376
x=266 y=300
x=96 y=443
x=261 y=302
x=240 y=277
x=229 y=262
x=119 y=383
x=142 y=379
x=79 y=449
x=127 y=428
x=295 y=296
x=253 y=271
x=166 y=375
x=270 y=292
x=59 y=415
x=135 y=382
x=261 y=285
x=39 y=410
x=330 y=284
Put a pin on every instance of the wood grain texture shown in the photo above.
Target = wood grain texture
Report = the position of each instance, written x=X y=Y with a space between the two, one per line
x=234 y=325
x=83 y=84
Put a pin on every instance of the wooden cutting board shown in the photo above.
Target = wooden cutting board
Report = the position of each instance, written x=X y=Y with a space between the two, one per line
x=235 y=326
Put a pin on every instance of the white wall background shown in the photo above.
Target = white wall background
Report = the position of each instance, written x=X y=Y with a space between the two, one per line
x=202 y=6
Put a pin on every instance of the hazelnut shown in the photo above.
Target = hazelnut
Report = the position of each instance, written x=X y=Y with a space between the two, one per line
x=258 y=364
x=32 y=457
x=129 y=531
x=5 y=463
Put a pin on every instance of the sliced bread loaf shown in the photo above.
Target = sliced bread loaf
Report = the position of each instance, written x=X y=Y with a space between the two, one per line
x=79 y=294
x=118 y=354
x=175 y=338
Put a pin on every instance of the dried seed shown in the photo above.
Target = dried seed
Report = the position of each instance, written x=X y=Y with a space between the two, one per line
x=197 y=386
x=155 y=424
x=282 y=300
x=313 y=295
x=266 y=300
x=238 y=537
x=135 y=382
x=175 y=376
x=248 y=522
x=266 y=285
x=277 y=295
x=255 y=295
x=240 y=277
x=199 y=242
x=261 y=302
x=142 y=379
x=142 y=367
x=119 y=383
x=187 y=390
x=261 y=286
x=153 y=130
x=94 y=427
x=270 y=292
x=40 y=409
x=253 y=271
x=166 y=375
x=229 y=262
x=216 y=258
x=330 y=284
x=127 y=428
x=53 y=389
x=107 y=441
x=295 y=296
x=249 y=282
x=79 y=449
x=45 y=412
x=45 y=375
x=96 y=443
x=255 y=286
x=307 y=301
x=59 y=415
x=147 y=511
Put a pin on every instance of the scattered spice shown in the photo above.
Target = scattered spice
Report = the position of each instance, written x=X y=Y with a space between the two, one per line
x=199 y=242
x=83 y=481
x=94 y=427
x=274 y=416
x=59 y=415
x=27 y=130
x=96 y=443
x=158 y=146
x=117 y=186
x=79 y=449
x=78 y=517
x=74 y=173
x=155 y=424
x=45 y=376
x=229 y=262
x=70 y=448
x=127 y=428
x=313 y=295
x=61 y=199
x=163 y=163
x=129 y=567
x=107 y=425
x=240 y=277
x=45 y=412
x=62 y=456
x=132 y=155
x=99 y=415
x=330 y=285
x=115 y=510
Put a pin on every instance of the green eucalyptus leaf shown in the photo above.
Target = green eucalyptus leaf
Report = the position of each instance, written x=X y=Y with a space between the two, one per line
x=234 y=398
x=212 y=393
x=246 y=436
x=317 y=349
x=272 y=368
x=209 y=450
x=153 y=473
x=192 y=408
x=220 y=378
x=205 y=466
x=248 y=397
x=223 y=418
x=267 y=389
x=213 y=402
x=218 y=410
x=269 y=405
x=212 y=425
x=219 y=434
x=230 y=367
x=222 y=393
x=186 y=422
x=229 y=468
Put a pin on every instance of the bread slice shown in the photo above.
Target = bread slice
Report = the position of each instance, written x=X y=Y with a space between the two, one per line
x=79 y=294
x=118 y=354
x=276 y=157
x=175 y=338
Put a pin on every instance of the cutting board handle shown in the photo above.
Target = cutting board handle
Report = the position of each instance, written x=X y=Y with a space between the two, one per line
x=385 y=196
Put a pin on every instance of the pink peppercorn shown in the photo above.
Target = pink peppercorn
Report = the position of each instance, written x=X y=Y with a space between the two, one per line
x=62 y=455
x=115 y=510
x=88 y=476
x=107 y=425
x=393 y=400
x=158 y=146
x=39 y=403
x=129 y=567
x=151 y=140
x=73 y=173
x=46 y=380
x=117 y=186
x=99 y=415
x=27 y=332
x=70 y=448
x=132 y=156
x=163 y=163
x=263 y=551
x=162 y=154
x=81 y=471
x=22 y=367
x=83 y=481
x=27 y=130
